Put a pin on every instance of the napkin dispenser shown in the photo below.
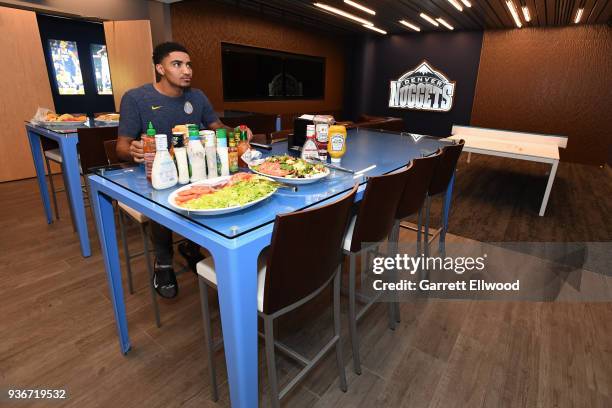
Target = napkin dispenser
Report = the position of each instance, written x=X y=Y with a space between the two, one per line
x=296 y=140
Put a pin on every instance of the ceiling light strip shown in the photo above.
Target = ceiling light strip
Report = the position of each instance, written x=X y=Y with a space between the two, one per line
x=526 y=14
x=578 y=15
x=378 y=30
x=514 y=13
x=429 y=19
x=360 y=7
x=410 y=25
x=445 y=24
x=466 y=3
x=343 y=14
x=456 y=4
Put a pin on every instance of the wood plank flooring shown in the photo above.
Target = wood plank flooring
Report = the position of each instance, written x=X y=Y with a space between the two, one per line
x=57 y=328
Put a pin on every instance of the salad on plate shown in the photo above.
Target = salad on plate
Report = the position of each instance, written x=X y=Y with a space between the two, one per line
x=287 y=167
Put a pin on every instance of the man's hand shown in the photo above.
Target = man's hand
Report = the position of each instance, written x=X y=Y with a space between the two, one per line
x=136 y=151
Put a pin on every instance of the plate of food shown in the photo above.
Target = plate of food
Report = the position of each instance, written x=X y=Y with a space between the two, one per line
x=223 y=195
x=108 y=119
x=290 y=170
x=67 y=119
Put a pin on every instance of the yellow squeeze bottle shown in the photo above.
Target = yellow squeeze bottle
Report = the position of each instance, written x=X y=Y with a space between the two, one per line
x=336 y=145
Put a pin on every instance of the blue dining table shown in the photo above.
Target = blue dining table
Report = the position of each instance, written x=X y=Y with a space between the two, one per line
x=235 y=240
x=67 y=139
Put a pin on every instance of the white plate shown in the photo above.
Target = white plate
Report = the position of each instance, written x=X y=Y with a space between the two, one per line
x=63 y=123
x=296 y=181
x=214 y=211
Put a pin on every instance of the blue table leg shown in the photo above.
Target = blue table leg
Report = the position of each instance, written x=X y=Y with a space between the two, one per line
x=73 y=176
x=237 y=285
x=105 y=221
x=37 y=156
x=447 y=206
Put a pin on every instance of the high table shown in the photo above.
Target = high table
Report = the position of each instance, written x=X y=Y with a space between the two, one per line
x=235 y=240
x=67 y=139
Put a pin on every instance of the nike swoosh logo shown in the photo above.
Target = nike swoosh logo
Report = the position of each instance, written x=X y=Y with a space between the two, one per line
x=155 y=107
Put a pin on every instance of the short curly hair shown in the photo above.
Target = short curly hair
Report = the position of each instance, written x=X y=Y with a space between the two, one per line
x=162 y=50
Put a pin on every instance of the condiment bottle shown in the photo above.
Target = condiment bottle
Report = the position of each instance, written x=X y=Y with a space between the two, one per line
x=180 y=156
x=309 y=150
x=222 y=153
x=321 y=139
x=243 y=146
x=197 y=156
x=337 y=143
x=163 y=173
x=232 y=156
x=211 y=153
x=148 y=147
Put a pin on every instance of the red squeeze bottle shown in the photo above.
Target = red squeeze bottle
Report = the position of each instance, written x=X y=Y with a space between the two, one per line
x=148 y=147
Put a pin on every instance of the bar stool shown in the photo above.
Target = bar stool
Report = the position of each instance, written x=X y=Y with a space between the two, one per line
x=299 y=264
x=127 y=213
x=52 y=153
x=371 y=225
x=420 y=172
x=440 y=180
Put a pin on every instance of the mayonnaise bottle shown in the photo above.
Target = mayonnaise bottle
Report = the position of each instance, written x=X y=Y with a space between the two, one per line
x=211 y=153
x=163 y=173
x=197 y=156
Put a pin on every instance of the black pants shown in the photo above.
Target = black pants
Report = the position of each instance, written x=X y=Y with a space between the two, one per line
x=162 y=242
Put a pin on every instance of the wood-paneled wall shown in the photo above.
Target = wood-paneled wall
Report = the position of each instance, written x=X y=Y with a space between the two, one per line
x=129 y=55
x=24 y=86
x=549 y=80
x=202 y=25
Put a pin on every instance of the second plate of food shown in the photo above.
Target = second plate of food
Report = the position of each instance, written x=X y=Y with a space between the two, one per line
x=290 y=170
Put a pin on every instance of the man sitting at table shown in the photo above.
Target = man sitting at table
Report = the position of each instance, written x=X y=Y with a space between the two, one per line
x=168 y=102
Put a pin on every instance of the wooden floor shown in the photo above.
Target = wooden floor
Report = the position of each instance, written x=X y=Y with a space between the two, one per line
x=58 y=330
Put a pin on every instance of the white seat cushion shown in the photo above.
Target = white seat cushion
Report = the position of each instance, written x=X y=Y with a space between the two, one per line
x=133 y=213
x=348 y=238
x=56 y=156
x=206 y=269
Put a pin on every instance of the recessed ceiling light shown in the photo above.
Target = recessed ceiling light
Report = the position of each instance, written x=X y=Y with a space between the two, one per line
x=360 y=7
x=514 y=13
x=578 y=15
x=378 y=30
x=343 y=13
x=526 y=14
x=445 y=24
x=429 y=19
x=410 y=25
x=466 y=3
x=456 y=4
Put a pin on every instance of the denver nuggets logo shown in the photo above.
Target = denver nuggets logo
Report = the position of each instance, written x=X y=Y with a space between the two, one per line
x=423 y=88
x=188 y=108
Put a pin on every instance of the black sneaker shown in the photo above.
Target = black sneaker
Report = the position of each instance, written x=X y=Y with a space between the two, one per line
x=191 y=253
x=164 y=281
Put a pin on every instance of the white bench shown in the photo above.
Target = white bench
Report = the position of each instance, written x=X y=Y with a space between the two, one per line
x=515 y=145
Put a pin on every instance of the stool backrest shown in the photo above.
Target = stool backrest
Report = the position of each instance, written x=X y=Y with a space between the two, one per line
x=91 y=146
x=419 y=176
x=110 y=147
x=305 y=252
x=377 y=210
x=445 y=168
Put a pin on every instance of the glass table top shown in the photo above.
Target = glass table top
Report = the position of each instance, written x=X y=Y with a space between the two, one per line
x=66 y=128
x=382 y=152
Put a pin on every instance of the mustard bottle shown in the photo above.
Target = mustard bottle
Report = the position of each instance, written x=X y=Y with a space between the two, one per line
x=336 y=145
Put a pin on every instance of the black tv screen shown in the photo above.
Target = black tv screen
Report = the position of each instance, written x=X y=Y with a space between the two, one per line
x=251 y=73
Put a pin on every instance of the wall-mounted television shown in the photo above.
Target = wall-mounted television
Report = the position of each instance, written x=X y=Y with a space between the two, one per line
x=101 y=68
x=251 y=73
x=66 y=67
